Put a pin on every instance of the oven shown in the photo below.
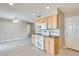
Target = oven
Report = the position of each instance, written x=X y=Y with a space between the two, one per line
x=39 y=43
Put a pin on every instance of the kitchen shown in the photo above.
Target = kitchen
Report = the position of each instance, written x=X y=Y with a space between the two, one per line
x=49 y=32
x=39 y=29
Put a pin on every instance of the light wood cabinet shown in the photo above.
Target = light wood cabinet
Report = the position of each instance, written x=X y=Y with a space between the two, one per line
x=49 y=24
x=40 y=21
x=52 y=22
x=51 y=45
x=47 y=42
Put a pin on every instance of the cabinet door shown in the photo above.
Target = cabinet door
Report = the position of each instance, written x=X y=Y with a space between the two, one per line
x=51 y=45
x=49 y=20
x=56 y=44
x=47 y=44
x=44 y=21
x=54 y=22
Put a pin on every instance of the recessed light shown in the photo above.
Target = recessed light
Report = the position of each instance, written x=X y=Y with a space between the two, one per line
x=47 y=7
x=34 y=14
x=15 y=21
x=11 y=4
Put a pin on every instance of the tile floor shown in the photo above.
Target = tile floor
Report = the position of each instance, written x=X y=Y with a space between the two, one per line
x=25 y=48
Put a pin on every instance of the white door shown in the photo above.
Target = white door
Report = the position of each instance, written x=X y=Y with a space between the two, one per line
x=72 y=33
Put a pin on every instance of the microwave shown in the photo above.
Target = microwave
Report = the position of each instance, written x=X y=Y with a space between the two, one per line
x=42 y=26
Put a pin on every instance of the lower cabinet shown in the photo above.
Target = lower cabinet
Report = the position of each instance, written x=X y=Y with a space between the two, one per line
x=47 y=42
x=52 y=45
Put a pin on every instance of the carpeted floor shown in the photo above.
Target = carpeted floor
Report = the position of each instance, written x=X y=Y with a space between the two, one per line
x=25 y=48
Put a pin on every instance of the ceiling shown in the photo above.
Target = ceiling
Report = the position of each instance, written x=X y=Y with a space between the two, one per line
x=24 y=11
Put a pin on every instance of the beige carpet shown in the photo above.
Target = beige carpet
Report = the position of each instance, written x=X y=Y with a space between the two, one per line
x=25 y=48
x=68 y=52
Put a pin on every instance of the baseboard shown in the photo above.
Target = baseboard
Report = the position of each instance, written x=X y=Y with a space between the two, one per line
x=13 y=40
x=60 y=50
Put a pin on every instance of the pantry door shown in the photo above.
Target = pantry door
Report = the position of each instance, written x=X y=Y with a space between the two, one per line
x=72 y=33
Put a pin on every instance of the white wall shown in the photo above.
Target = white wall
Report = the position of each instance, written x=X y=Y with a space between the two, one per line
x=72 y=20
x=12 y=31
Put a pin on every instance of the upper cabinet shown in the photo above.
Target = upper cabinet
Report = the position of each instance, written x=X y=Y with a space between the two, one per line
x=40 y=24
x=52 y=22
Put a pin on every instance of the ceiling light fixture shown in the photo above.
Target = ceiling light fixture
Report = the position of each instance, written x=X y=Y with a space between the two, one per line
x=34 y=14
x=47 y=7
x=11 y=4
x=15 y=21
